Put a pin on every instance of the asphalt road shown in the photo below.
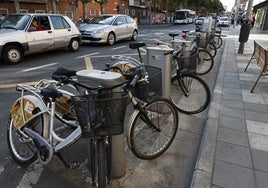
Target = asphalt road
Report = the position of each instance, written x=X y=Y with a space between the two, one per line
x=173 y=169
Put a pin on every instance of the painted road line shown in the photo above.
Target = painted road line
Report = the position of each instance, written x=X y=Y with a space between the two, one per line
x=119 y=47
x=83 y=56
x=39 y=67
x=4 y=86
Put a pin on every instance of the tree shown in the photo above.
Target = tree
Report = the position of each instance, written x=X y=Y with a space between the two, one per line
x=84 y=4
x=102 y=3
x=17 y=6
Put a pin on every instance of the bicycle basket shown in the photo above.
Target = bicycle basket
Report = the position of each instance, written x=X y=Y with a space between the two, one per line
x=148 y=91
x=189 y=63
x=101 y=114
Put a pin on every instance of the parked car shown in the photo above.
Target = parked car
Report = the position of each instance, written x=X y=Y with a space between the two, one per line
x=223 y=21
x=109 y=28
x=23 y=34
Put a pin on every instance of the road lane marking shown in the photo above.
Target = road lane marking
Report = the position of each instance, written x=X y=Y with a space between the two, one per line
x=119 y=47
x=31 y=176
x=79 y=57
x=5 y=86
x=39 y=67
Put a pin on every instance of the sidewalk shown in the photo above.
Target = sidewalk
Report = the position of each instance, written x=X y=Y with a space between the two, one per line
x=234 y=148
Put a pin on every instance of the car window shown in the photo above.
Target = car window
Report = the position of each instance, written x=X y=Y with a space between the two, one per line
x=18 y=22
x=106 y=20
x=129 y=19
x=44 y=22
x=59 y=22
x=120 y=19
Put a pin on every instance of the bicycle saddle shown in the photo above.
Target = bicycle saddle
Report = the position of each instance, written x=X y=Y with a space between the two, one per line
x=185 y=31
x=135 y=45
x=173 y=34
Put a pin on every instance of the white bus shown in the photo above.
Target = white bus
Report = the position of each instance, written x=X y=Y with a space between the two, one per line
x=184 y=16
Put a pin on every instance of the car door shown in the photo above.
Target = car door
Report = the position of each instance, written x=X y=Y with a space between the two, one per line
x=62 y=31
x=131 y=25
x=120 y=27
x=39 y=40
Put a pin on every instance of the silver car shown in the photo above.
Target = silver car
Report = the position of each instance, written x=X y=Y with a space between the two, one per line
x=109 y=28
x=22 y=34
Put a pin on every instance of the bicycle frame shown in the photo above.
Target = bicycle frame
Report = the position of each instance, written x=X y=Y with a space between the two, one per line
x=23 y=108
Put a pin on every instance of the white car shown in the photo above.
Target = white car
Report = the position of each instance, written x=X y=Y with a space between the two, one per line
x=109 y=28
x=19 y=37
x=223 y=21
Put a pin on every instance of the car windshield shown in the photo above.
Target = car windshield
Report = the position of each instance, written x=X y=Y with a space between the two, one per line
x=223 y=19
x=105 y=20
x=17 y=22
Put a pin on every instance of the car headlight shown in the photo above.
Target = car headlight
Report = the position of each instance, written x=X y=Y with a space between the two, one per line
x=98 y=31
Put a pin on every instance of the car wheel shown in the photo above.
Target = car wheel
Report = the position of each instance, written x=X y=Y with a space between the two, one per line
x=134 y=35
x=74 y=45
x=111 y=39
x=12 y=54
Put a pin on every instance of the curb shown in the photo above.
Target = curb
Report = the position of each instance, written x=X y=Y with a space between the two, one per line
x=203 y=171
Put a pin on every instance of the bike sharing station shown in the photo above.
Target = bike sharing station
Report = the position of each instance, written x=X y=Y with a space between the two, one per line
x=93 y=78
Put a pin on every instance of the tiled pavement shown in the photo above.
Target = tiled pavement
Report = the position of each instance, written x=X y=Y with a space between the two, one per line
x=234 y=149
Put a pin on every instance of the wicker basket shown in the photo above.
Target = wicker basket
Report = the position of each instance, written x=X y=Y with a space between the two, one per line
x=101 y=114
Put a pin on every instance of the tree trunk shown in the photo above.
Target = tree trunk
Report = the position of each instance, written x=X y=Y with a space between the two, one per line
x=17 y=6
x=54 y=7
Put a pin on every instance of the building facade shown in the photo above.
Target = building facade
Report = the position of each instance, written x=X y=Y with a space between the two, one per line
x=74 y=8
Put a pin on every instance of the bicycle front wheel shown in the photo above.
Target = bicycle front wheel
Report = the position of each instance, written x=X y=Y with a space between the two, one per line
x=101 y=163
x=147 y=141
x=192 y=94
x=205 y=62
x=217 y=40
x=21 y=147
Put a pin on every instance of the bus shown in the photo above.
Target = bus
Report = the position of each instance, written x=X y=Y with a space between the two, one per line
x=184 y=16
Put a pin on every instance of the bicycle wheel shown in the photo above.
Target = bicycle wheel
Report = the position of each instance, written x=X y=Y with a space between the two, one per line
x=217 y=40
x=212 y=49
x=205 y=62
x=145 y=141
x=20 y=146
x=101 y=164
x=192 y=93
x=92 y=159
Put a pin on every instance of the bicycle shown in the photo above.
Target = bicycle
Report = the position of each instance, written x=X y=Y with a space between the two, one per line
x=201 y=41
x=32 y=121
x=149 y=108
x=192 y=93
x=189 y=85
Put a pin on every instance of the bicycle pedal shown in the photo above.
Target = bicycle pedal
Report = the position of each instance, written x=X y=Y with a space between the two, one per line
x=73 y=164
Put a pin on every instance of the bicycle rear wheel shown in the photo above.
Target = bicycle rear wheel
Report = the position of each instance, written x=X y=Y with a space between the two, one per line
x=205 y=62
x=192 y=93
x=144 y=140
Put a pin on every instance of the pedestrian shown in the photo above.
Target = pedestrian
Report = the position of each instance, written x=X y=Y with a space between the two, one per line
x=253 y=21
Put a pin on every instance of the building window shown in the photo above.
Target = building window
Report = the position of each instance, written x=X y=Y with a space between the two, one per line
x=133 y=12
x=144 y=12
x=3 y=12
x=39 y=11
x=127 y=11
x=69 y=14
x=23 y=11
x=56 y=12
x=92 y=12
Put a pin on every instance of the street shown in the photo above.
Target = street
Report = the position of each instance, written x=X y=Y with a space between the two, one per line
x=173 y=169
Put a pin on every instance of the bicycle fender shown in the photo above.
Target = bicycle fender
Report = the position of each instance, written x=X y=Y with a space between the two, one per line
x=24 y=108
x=129 y=125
